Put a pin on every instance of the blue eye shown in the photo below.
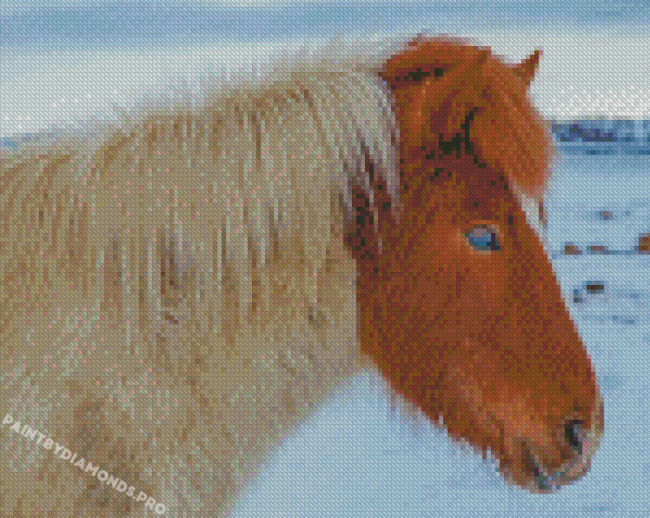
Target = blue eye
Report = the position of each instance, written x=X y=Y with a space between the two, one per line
x=483 y=239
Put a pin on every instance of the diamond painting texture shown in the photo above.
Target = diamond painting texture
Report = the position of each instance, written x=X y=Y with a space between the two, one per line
x=185 y=283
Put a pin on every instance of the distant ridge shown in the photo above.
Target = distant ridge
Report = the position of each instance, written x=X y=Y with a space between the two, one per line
x=620 y=131
x=14 y=140
x=589 y=129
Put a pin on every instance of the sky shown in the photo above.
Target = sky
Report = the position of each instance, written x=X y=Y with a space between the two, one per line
x=80 y=58
x=67 y=62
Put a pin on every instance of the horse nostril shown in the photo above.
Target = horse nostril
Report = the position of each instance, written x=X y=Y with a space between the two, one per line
x=573 y=435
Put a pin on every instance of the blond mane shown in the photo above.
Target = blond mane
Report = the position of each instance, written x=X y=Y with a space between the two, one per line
x=190 y=251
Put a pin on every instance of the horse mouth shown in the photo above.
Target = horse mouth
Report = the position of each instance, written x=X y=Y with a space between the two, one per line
x=534 y=472
x=543 y=481
x=584 y=444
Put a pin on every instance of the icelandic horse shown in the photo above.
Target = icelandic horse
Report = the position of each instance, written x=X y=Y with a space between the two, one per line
x=181 y=288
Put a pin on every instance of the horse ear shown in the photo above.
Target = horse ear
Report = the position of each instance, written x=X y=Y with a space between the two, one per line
x=526 y=69
x=419 y=40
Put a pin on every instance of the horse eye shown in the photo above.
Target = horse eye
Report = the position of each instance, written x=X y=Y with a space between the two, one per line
x=483 y=239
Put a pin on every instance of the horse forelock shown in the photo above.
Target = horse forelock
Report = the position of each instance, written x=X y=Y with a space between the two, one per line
x=484 y=93
x=521 y=146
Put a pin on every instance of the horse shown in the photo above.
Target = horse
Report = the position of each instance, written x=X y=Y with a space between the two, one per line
x=181 y=288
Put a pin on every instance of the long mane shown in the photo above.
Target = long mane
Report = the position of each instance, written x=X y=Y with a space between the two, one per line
x=333 y=99
x=186 y=246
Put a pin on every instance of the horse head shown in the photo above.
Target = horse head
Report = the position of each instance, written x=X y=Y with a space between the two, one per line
x=459 y=305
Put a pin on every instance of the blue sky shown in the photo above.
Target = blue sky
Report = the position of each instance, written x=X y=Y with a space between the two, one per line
x=79 y=58
x=37 y=24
